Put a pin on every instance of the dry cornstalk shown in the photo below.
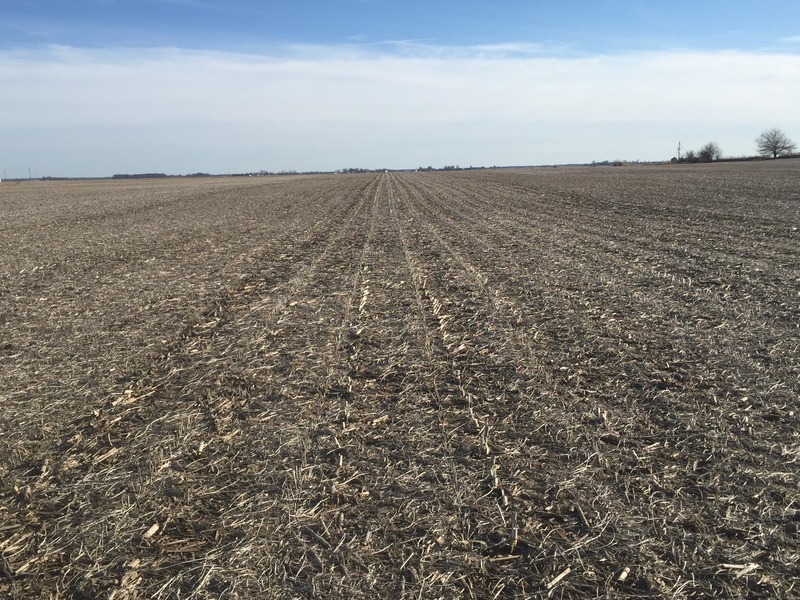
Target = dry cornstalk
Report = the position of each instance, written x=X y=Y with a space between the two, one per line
x=153 y=529
x=554 y=582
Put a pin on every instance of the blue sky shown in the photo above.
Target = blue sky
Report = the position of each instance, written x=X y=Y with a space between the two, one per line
x=97 y=87
x=581 y=25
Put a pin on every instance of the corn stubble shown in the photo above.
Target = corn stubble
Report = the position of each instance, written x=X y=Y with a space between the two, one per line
x=571 y=383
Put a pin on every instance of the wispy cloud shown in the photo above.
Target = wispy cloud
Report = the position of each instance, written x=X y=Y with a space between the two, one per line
x=428 y=48
x=309 y=107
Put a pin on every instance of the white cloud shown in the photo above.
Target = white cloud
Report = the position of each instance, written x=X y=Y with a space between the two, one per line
x=96 y=112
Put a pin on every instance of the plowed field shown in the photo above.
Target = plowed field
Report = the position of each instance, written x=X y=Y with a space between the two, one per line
x=568 y=383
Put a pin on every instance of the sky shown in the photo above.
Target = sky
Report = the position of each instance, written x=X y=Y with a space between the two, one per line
x=100 y=87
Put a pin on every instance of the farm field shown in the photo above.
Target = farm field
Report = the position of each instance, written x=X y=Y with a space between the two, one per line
x=566 y=383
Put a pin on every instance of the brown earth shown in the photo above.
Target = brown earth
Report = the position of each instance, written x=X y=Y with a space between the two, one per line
x=567 y=383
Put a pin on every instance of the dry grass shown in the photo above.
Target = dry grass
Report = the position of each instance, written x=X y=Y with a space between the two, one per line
x=535 y=383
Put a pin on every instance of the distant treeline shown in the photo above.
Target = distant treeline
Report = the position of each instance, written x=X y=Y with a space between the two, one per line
x=138 y=176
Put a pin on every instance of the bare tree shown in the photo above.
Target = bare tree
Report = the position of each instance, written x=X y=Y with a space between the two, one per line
x=774 y=141
x=711 y=151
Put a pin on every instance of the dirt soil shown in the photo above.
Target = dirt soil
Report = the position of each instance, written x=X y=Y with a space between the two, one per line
x=542 y=383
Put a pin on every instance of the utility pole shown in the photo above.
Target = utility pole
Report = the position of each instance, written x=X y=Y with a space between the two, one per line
x=29 y=174
x=679 y=150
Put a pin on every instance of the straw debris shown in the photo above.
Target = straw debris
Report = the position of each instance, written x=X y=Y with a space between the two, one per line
x=564 y=383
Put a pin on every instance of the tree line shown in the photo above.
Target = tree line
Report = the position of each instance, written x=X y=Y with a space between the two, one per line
x=771 y=142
